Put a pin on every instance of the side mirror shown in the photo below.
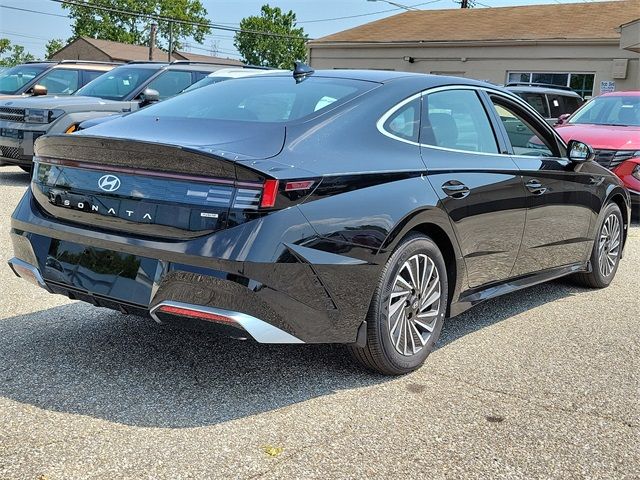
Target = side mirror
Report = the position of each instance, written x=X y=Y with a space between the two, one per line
x=149 y=95
x=39 y=90
x=580 y=152
x=562 y=118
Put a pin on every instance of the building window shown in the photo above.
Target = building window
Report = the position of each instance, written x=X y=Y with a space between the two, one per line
x=582 y=83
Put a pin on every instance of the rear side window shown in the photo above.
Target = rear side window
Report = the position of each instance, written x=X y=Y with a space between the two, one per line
x=561 y=104
x=405 y=122
x=571 y=104
x=457 y=120
x=275 y=99
x=537 y=100
x=61 y=81
x=90 y=75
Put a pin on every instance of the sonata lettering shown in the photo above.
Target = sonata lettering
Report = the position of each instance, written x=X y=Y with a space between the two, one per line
x=96 y=208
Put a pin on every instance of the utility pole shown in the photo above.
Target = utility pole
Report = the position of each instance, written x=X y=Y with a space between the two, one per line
x=152 y=40
x=170 y=40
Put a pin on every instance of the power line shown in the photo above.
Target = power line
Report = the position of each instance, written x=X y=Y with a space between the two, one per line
x=34 y=11
x=164 y=18
x=365 y=14
x=23 y=35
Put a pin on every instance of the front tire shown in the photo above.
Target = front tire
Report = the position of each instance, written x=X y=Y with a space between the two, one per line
x=407 y=310
x=607 y=249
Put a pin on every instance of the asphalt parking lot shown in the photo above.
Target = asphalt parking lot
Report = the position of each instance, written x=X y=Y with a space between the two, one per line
x=542 y=383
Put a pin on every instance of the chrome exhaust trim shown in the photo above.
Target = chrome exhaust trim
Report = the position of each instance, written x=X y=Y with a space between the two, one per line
x=260 y=330
x=20 y=267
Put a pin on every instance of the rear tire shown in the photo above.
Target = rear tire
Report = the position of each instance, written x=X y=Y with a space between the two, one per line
x=407 y=310
x=607 y=248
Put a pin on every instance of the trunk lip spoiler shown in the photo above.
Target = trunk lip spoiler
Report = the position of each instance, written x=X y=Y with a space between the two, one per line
x=142 y=172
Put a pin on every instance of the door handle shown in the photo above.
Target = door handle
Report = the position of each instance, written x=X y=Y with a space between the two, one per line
x=455 y=189
x=535 y=187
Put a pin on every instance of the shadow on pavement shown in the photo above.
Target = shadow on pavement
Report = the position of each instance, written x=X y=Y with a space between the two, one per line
x=13 y=177
x=84 y=360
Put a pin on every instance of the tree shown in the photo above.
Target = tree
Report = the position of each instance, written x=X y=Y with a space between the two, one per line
x=127 y=28
x=271 y=51
x=53 y=46
x=13 y=54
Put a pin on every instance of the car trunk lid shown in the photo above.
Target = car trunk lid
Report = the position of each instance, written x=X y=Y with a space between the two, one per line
x=143 y=188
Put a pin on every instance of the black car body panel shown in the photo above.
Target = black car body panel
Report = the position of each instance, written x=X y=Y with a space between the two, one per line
x=189 y=223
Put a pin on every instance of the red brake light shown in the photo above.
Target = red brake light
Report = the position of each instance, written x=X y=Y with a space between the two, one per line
x=187 y=312
x=269 y=193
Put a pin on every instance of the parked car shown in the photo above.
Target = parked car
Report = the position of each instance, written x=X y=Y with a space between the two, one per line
x=215 y=77
x=550 y=101
x=611 y=124
x=50 y=77
x=124 y=89
x=337 y=206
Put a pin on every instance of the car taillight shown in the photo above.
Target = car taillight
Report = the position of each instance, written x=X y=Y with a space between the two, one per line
x=269 y=193
x=279 y=194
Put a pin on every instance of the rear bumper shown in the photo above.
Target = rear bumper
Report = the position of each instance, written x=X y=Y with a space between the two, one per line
x=261 y=283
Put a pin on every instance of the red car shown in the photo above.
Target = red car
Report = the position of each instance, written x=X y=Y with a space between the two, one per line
x=610 y=123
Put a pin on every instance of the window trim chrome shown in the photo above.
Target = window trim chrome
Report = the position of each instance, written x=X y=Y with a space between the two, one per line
x=507 y=95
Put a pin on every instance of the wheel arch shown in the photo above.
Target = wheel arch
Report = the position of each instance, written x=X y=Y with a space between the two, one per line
x=434 y=224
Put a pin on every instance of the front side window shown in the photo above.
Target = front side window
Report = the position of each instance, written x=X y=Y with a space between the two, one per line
x=275 y=99
x=60 y=81
x=117 y=84
x=170 y=83
x=525 y=139
x=13 y=79
x=457 y=120
x=405 y=122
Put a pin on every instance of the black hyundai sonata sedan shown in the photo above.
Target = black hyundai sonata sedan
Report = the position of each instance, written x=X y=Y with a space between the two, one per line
x=355 y=207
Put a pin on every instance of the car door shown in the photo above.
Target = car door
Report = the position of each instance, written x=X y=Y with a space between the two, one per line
x=480 y=187
x=560 y=199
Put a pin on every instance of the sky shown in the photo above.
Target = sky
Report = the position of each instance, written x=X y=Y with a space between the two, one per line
x=318 y=17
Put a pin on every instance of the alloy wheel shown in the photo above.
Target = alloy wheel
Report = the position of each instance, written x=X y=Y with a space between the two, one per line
x=609 y=245
x=414 y=304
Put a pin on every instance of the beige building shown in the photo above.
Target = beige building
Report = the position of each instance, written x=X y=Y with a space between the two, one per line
x=591 y=47
x=86 y=48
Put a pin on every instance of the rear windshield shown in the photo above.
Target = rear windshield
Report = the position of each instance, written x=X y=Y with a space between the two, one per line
x=117 y=84
x=13 y=79
x=260 y=99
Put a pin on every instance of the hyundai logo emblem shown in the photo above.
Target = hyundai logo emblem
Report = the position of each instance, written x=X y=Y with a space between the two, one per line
x=109 y=183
